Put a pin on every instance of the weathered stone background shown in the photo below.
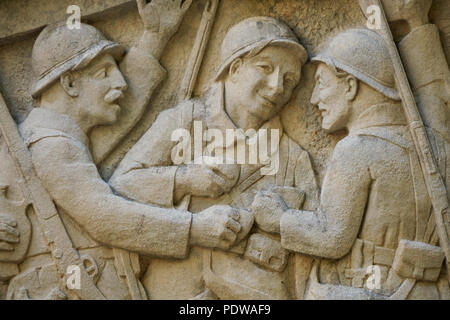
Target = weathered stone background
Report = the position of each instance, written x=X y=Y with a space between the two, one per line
x=314 y=21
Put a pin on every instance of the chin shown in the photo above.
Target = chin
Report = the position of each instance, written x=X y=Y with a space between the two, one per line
x=331 y=128
x=113 y=115
x=263 y=112
x=327 y=129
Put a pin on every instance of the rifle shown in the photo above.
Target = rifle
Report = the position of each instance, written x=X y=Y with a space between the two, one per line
x=58 y=241
x=433 y=179
x=127 y=262
x=198 y=51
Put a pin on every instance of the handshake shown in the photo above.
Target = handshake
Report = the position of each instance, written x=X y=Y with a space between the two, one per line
x=222 y=226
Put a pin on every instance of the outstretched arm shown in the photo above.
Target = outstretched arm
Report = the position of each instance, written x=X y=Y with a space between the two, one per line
x=141 y=67
x=75 y=185
x=330 y=231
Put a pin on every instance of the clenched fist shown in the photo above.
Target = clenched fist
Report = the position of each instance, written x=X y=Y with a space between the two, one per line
x=205 y=180
x=215 y=227
x=268 y=207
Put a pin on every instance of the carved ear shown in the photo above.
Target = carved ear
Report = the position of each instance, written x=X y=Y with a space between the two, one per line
x=234 y=67
x=67 y=83
x=352 y=87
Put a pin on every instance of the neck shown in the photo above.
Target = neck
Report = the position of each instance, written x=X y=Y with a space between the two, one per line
x=72 y=111
x=352 y=122
x=244 y=120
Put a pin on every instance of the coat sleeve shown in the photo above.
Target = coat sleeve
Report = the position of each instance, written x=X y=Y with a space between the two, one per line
x=330 y=231
x=147 y=173
x=71 y=178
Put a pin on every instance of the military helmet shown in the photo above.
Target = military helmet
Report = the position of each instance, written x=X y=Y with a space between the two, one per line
x=59 y=49
x=363 y=54
x=257 y=32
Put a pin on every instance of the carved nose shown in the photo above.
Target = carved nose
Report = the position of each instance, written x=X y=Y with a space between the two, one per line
x=276 y=83
x=119 y=82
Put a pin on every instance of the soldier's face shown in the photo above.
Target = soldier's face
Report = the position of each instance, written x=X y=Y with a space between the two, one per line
x=102 y=84
x=263 y=84
x=329 y=96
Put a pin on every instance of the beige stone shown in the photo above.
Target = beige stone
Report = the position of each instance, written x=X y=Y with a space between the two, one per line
x=230 y=149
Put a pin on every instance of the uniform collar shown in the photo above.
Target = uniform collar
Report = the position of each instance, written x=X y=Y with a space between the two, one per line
x=384 y=114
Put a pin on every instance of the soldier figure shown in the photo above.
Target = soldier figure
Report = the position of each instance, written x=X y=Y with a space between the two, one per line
x=261 y=62
x=78 y=86
x=375 y=216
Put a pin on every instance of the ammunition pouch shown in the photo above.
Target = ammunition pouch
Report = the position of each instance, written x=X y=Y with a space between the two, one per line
x=418 y=260
x=412 y=259
x=267 y=252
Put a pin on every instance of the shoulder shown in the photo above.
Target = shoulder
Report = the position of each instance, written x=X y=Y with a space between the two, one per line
x=183 y=109
x=57 y=148
x=369 y=148
x=354 y=150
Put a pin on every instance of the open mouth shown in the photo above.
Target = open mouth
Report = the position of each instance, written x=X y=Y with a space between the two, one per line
x=113 y=95
x=323 y=111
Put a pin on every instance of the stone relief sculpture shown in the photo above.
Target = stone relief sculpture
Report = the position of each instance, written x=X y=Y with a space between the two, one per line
x=261 y=63
x=9 y=227
x=15 y=228
x=429 y=75
x=78 y=87
x=219 y=197
x=360 y=221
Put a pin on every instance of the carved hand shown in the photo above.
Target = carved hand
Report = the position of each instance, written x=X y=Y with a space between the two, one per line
x=414 y=12
x=268 y=207
x=207 y=180
x=215 y=227
x=9 y=235
x=163 y=16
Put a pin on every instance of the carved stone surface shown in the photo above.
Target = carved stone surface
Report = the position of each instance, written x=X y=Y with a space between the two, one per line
x=225 y=149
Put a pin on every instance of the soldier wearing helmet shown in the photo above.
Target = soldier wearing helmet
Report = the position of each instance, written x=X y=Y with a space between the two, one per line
x=374 y=228
x=261 y=62
x=80 y=86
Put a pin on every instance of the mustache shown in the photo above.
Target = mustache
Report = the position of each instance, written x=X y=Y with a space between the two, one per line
x=113 y=95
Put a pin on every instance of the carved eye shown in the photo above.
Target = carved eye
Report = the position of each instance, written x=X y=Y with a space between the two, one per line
x=100 y=74
x=289 y=81
x=266 y=68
